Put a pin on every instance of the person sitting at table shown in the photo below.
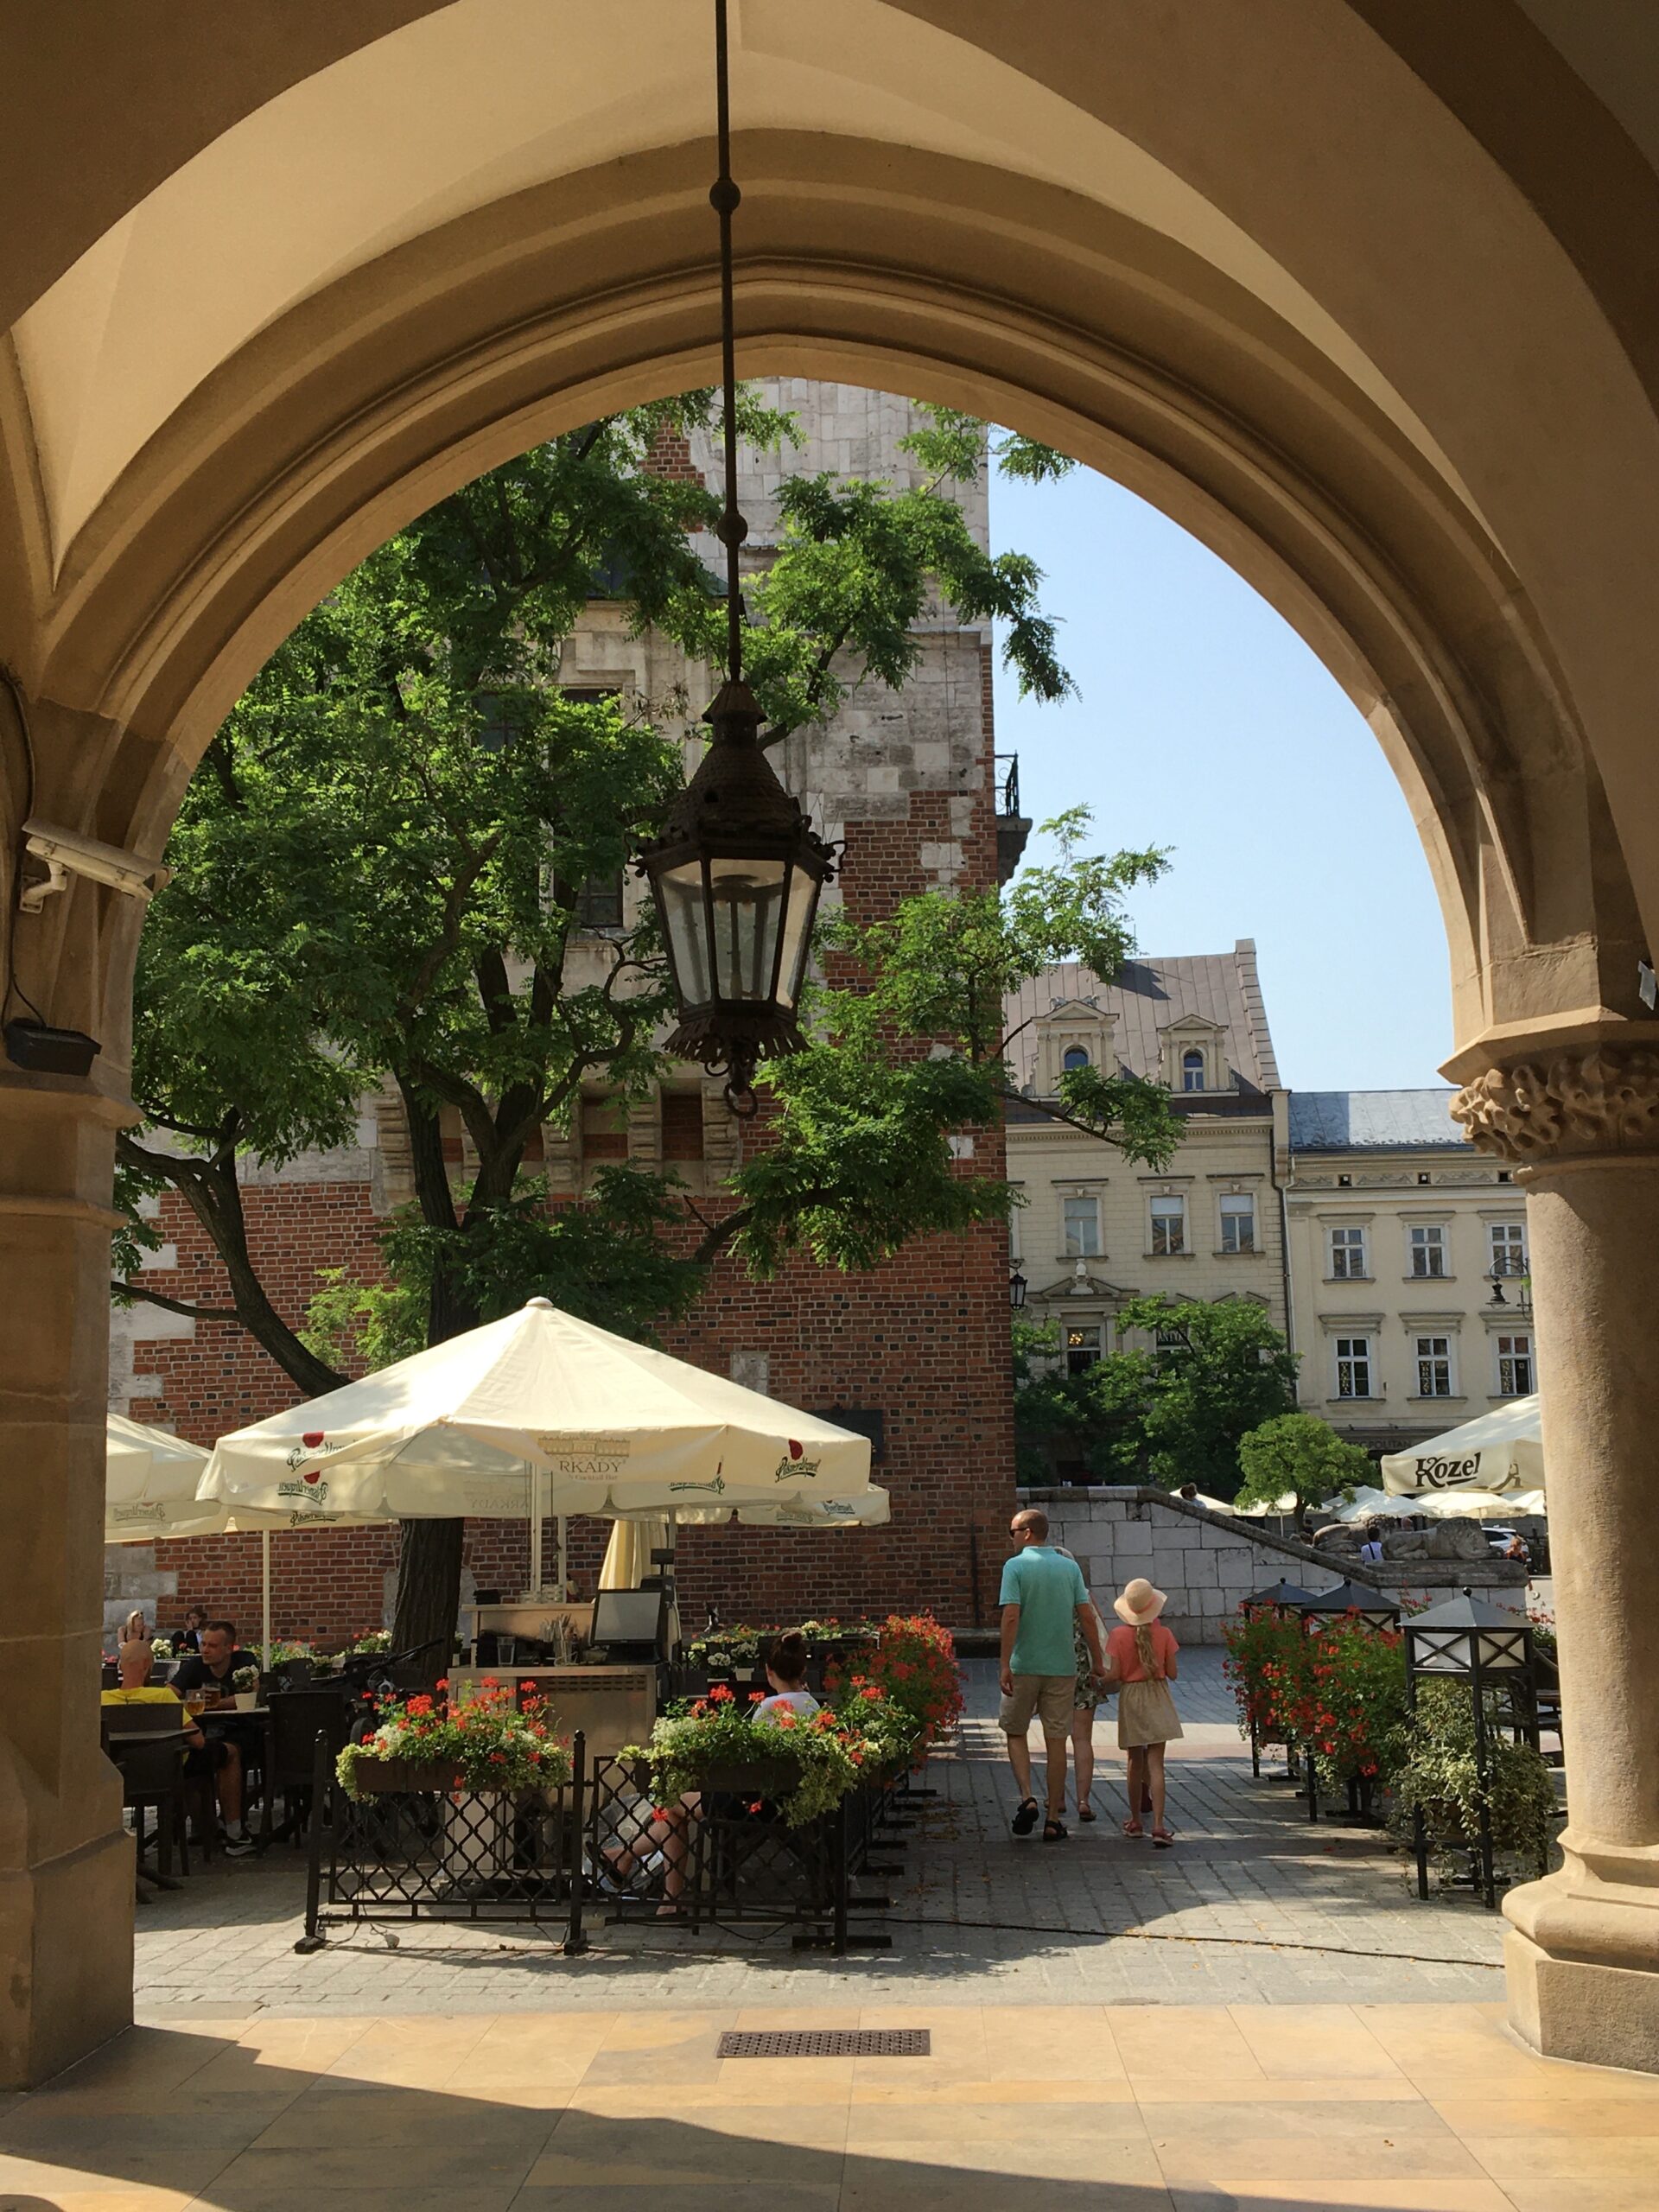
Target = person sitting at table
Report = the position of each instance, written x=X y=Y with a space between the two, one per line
x=188 y=1639
x=212 y=1672
x=218 y=1658
x=203 y=1755
x=135 y=1629
x=665 y=1839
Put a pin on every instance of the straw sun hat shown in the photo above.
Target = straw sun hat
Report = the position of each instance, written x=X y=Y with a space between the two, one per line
x=1140 y=1603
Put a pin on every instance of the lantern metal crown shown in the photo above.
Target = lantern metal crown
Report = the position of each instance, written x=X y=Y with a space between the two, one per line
x=737 y=868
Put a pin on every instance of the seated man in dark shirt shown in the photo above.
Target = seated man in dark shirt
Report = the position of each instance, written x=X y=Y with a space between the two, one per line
x=213 y=1670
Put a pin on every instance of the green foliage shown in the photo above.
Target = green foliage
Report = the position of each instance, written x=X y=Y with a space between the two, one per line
x=1433 y=1768
x=1173 y=1413
x=376 y=875
x=823 y=1756
x=1299 y=1455
x=1355 y=1700
x=910 y=1050
x=492 y=1742
x=1267 y=1669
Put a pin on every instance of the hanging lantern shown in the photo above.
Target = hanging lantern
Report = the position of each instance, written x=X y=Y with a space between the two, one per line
x=736 y=875
x=737 y=869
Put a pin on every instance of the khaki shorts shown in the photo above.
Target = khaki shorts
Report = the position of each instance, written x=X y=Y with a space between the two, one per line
x=1051 y=1696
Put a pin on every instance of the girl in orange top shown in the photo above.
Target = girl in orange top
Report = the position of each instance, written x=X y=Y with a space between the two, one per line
x=1142 y=1657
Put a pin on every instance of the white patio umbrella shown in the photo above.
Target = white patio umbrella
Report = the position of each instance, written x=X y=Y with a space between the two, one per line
x=617 y=1428
x=1499 y=1451
x=144 y=1466
x=171 y=1507
x=627 y=1555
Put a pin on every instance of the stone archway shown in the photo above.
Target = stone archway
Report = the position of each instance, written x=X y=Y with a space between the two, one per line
x=1296 y=277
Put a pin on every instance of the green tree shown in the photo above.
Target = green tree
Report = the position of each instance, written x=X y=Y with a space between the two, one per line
x=1298 y=1456
x=1173 y=1413
x=379 y=876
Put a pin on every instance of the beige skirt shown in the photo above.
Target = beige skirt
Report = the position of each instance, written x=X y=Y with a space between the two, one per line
x=1145 y=1714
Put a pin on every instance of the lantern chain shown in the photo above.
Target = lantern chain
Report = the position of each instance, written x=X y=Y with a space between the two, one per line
x=725 y=198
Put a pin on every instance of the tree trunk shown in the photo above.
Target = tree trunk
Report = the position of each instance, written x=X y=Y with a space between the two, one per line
x=428 y=1591
x=430 y=1560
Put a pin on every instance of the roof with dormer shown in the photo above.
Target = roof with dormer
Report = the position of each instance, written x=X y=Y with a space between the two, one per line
x=1222 y=987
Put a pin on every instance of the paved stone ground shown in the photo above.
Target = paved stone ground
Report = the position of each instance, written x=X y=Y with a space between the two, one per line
x=1075 y=2108
x=1252 y=1906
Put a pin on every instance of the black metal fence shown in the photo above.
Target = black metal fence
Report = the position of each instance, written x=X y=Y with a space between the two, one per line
x=600 y=1843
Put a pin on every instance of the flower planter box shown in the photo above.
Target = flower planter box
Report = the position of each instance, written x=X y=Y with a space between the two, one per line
x=770 y=1777
x=376 y=1778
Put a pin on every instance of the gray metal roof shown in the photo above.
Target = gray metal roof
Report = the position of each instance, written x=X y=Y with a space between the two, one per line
x=1222 y=986
x=1371 y=1120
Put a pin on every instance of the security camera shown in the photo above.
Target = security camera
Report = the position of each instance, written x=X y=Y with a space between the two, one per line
x=66 y=853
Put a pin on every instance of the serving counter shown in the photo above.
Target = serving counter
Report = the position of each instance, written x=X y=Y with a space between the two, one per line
x=612 y=1705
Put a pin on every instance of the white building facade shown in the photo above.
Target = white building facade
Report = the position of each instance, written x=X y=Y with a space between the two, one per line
x=1095 y=1229
x=1410 y=1274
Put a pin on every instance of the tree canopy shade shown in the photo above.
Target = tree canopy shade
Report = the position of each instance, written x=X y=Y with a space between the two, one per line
x=1298 y=1455
x=379 y=879
x=1170 y=1415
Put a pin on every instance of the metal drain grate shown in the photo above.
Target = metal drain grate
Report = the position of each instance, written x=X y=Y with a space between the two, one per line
x=826 y=2042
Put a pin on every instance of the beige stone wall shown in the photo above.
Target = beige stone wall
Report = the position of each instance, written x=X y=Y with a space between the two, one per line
x=1051 y=1162
x=1386 y=1195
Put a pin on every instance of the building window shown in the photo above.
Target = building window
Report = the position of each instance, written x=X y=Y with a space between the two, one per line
x=598 y=902
x=1080 y=1217
x=1238 y=1223
x=682 y=1125
x=1353 y=1367
x=1509 y=1248
x=1348 y=1255
x=1168 y=1225
x=1514 y=1367
x=1192 y=1070
x=1433 y=1367
x=1075 y=1055
x=1083 y=1346
x=604 y=1128
x=1428 y=1249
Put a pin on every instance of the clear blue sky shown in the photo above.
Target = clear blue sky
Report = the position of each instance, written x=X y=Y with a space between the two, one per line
x=1204 y=723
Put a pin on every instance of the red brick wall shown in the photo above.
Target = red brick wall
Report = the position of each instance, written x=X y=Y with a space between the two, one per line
x=923 y=1340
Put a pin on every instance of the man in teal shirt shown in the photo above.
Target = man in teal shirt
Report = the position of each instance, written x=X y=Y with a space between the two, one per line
x=1044 y=1598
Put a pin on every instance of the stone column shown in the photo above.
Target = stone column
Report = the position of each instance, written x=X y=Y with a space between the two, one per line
x=66 y=1863
x=1582 y=1947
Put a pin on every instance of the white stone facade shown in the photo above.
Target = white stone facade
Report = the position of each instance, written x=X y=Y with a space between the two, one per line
x=1410 y=1260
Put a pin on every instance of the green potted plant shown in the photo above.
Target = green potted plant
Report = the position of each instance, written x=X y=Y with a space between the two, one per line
x=804 y=1763
x=488 y=1745
x=1431 y=1769
x=245 y=1684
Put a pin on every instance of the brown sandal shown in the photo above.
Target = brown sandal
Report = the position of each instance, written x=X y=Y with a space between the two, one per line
x=1132 y=1826
x=1161 y=1839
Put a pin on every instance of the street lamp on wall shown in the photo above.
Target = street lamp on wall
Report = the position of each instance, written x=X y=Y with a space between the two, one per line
x=738 y=867
x=1017 y=1288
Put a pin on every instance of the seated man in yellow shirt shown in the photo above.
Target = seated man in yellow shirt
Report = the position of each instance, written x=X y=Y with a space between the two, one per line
x=218 y=1758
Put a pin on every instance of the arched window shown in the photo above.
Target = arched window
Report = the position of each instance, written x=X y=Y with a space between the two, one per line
x=1075 y=1055
x=1192 y=1069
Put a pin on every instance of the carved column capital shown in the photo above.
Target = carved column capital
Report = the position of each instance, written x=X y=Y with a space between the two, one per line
x=1569 y=1105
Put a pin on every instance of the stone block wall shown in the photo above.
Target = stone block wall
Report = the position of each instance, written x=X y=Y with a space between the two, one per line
x=1207 y=1564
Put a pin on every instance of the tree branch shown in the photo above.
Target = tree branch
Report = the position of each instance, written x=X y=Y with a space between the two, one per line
x=174 y=1305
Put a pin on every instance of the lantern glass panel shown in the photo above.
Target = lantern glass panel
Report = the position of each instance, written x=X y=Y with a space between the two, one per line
x=1443 y=1651
x=679 y=895
x=798 y=924
x=746 y=898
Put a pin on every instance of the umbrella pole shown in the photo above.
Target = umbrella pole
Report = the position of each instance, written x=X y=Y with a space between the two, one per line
x=564 y=1578
x=264 y=1578
x=534 y=1472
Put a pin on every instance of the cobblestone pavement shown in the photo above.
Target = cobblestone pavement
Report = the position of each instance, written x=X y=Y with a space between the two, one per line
x=1252 y=1906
